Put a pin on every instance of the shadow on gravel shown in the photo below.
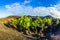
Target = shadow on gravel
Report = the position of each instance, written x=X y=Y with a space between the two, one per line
x=9 y=25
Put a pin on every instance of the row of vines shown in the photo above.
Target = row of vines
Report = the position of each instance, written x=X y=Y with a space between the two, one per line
x=38 y=25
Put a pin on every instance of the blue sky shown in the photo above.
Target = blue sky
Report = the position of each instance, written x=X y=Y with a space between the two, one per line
x=30 y=7
x=34 y=3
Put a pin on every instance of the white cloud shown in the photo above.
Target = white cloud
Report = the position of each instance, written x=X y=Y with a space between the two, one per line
x=26 y=2
x=18 y=9
x=55 y=11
